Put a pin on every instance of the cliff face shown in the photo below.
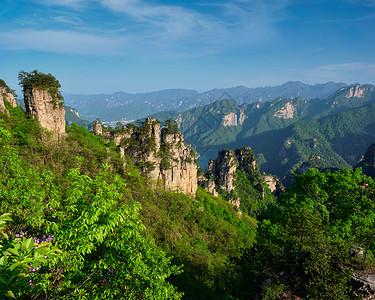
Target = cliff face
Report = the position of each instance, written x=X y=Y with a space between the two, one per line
x=40 y=103
x=6 y=96
x=223 y=169
x=234 y=118
x=222 y=174
x=161 y=154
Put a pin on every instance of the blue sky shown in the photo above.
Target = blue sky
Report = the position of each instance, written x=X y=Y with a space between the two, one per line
x=103 y=46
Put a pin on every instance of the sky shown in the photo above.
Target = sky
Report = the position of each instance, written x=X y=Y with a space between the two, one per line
x=104 y=46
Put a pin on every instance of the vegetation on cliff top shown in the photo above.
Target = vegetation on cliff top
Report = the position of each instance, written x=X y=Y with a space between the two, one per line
x=36 y=79
x=7 y=88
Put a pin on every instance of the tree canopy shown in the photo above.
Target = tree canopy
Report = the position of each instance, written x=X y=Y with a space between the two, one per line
x=37 y=79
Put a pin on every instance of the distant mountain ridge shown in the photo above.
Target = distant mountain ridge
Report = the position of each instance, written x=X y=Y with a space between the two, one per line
x=125 y=107
x=284 y=132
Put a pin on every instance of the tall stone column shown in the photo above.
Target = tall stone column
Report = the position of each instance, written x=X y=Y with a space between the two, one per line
x=6 y=96
x=41 y=104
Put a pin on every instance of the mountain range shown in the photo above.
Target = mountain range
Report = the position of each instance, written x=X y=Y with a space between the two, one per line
x=287 y=131
x=126 y=107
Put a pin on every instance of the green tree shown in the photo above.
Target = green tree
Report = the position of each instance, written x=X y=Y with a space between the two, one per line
x=36 y=79
x=303 y=243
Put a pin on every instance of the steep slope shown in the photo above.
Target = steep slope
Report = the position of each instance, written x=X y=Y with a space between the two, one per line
x=235 y=175
x=6 y=95
x=223 y=123
x=72 y=116
x=338 y=140
x=161 y=155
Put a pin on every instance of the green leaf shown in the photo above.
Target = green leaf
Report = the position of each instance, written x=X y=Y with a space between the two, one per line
x=43 y=245
x=26 y=261
x=36 y=264
x=13 y=251
x=3 y=261
x=15 y=265
x=10 y=294
x=29 y=244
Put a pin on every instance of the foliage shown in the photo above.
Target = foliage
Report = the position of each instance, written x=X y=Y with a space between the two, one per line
x=7 y=88
x=94 y=219
x=36 y=79
x=255 y=197
x=201 y=234
x=171 y=127
x=303 y=243
x=20 y=257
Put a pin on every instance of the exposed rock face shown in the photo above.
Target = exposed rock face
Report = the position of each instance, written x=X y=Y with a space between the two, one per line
x=225 y=167
x=367 y=162
x=364 y=284
x=41 y=104
x=221 y=174
x=160 y=154
x=182 y=173
x=234 y=118
x=356 y=91
x=6 y=96
x=286 y=112
x=274 y=184
x=97 y=127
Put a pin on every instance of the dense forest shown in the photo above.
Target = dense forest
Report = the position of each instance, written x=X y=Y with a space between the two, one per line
x=78 y=221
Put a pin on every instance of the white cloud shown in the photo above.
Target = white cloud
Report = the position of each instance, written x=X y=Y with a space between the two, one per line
x=151 y=29
x=61 y=42
x=68 y=20
x=76 y=4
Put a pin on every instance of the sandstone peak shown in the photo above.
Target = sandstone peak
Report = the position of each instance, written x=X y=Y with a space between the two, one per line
x=222 y=174
x=160 y=153
x=6 y=96
x=41 y=104
x=44 y=101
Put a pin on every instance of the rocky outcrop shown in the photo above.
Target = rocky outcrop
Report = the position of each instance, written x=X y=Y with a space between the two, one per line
x=234 y=118
x=47 y=109
x=273 y=183
x=355 y=92
x=221 y=174
x=286 y=112
x=160 y=153
x=364 y=284
x=224 y=170
x=6 y=96
x=97 y=128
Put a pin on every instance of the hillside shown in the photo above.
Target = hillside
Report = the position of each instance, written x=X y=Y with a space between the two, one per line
x=227 y=124
x=82 y=215
x=338 y=140
x=108 y=220
x=126 y=107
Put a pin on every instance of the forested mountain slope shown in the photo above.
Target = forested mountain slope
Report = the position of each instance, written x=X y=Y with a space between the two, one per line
x=338 y=140
x=226 y=124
